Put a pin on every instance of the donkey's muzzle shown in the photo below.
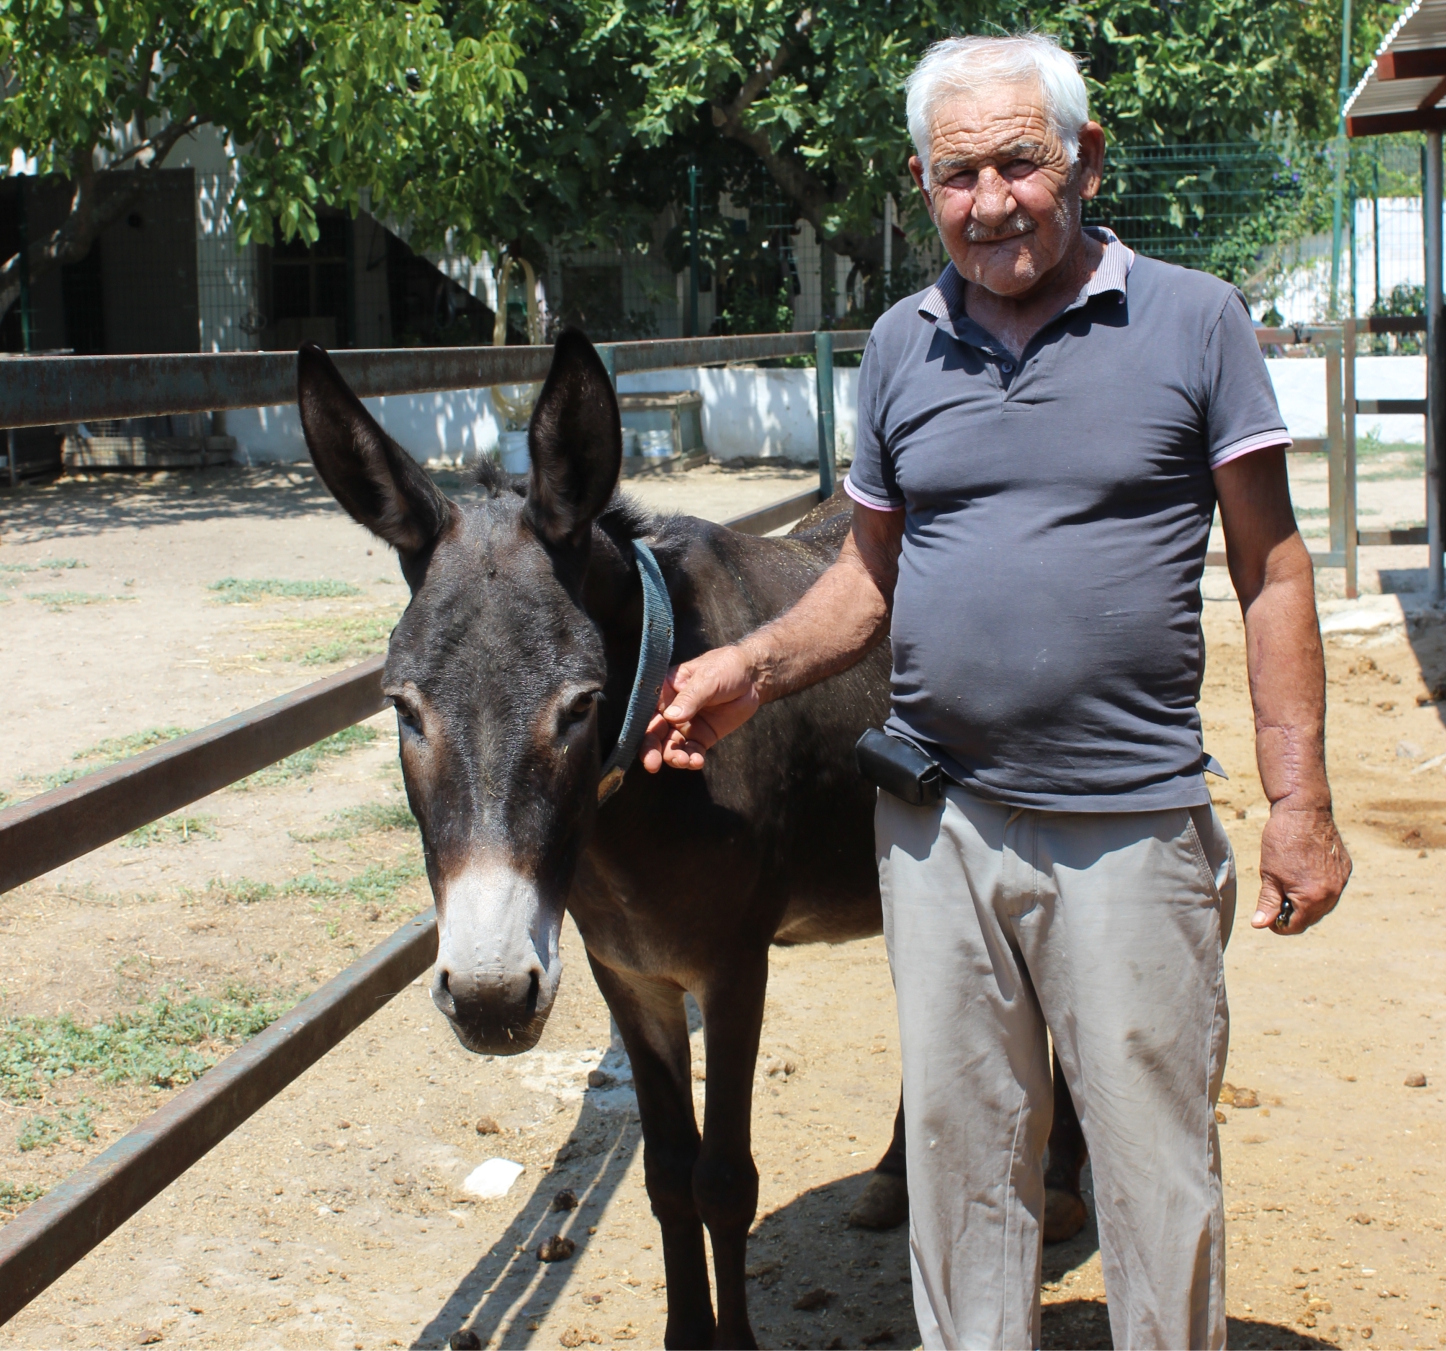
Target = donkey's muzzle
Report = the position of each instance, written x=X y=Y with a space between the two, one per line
x=490 y=1013
x=498 y=965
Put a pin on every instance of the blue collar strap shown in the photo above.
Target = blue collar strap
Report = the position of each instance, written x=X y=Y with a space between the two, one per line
x=654 y=656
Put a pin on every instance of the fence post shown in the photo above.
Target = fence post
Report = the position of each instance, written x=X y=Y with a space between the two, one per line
x=827 y=456
x=1435 y=376
x=1348 y=386
x=1335 y=434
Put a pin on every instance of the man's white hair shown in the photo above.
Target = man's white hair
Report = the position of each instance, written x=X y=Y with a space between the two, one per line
x=971 y=65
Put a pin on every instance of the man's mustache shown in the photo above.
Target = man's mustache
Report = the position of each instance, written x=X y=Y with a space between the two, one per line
x=1019 y=223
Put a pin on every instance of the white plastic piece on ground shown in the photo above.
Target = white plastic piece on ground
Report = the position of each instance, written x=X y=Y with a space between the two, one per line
x=492 y=1179
x=1360 y=621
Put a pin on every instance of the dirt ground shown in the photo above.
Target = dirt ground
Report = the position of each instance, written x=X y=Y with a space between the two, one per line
x=335 y=1217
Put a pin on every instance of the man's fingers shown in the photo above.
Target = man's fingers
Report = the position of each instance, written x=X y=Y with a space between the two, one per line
x=1268 y=906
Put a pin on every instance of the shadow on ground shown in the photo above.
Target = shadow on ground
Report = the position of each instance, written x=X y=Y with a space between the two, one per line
x=73 y=508
x=1426 y=633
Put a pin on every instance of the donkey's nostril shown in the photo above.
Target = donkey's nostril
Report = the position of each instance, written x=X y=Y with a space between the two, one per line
x=442 y=993
x=534 y=988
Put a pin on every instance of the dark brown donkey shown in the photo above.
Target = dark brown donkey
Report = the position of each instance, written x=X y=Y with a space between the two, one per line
x=511 y=671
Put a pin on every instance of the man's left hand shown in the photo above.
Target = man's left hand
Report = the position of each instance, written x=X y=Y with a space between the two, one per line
x=1302 y=856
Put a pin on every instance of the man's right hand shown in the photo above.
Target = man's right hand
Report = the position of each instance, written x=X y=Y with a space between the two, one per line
x=702 y=701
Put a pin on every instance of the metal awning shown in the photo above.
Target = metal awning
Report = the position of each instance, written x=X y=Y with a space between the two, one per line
x=1404 y=87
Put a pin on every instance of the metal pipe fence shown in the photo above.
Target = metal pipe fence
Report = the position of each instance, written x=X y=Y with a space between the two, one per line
x=45 y=831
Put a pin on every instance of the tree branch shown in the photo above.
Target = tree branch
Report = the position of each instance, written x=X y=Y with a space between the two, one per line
x=806 y=191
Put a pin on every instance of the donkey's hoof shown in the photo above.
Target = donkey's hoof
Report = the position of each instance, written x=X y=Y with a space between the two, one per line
x=1064 y=1215
x=883 y=1204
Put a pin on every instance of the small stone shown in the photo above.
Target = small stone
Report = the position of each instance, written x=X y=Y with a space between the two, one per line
x=599 y=1079
x=1417 y=1080
x=149 y=1337
x=1220 y=1117
x=556 y=1249
x=566 y=1199
x=571 y=1338
x=813 y=1299
x=487 y=1125
x=1360 y=1217
x=1366 y=1334
x=465 y=1339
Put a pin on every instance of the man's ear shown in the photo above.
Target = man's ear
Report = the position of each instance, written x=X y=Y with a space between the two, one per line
x=374 y=479
x=576 y=440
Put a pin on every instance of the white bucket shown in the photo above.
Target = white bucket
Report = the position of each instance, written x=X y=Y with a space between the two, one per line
x=512 y=448
x=656 y=445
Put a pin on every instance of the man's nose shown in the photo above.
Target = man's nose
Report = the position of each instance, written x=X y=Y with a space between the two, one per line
x=993 y=200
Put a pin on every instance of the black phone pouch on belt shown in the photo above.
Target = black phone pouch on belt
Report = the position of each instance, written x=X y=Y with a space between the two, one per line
x=899 y=767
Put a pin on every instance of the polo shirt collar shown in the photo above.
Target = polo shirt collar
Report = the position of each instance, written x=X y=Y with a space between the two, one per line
x=944 y=301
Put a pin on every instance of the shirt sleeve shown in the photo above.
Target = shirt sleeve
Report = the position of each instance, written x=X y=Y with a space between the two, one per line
x=1241 y=412
x=870 y=480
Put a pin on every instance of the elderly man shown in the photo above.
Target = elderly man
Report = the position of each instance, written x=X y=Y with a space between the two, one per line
x=1043 y=436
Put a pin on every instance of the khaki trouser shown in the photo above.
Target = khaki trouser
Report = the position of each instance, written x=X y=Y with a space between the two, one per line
x=1110 y=930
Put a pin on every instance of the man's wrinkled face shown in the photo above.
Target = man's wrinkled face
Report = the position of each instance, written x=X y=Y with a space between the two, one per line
x=1001 y=188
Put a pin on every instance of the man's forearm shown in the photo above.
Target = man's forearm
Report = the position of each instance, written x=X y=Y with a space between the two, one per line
x=1287 y=681
x=831 y=627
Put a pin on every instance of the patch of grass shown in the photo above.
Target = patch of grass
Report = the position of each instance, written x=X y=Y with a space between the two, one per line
x=1326 y=511
x=39 y=1131
x=109 y=752
x=248 y=590
x=58 y=602
x=369 y=817
x=13 y=1198
x=43 y=565
x=181 y=828
x=324 y=639
x=311 y=759
x=377 y=884
x=167 y=1042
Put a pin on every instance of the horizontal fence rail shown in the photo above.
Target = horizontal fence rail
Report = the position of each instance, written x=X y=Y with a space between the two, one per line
x=53 y=828
x=52 y=1234
x=44 y=391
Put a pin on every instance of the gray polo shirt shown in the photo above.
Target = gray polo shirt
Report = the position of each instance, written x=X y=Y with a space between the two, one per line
x=1046 y=628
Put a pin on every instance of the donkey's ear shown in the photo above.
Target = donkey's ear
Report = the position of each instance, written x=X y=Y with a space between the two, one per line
x=576 y=440
x=374 y=479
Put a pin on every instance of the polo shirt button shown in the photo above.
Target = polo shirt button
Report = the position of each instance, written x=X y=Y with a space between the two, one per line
x=1006 y=366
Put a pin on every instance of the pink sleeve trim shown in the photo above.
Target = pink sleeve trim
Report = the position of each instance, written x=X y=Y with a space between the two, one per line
x=866 y=500
x=1279 y=439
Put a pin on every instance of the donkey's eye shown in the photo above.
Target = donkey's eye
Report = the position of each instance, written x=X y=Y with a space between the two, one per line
x=580 y=707
x=407 y=715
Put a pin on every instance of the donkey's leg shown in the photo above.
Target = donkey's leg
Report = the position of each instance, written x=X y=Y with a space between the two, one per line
x=884 y=1201
x=654 y=1029
x=1064 y=1207
x=725 y=1180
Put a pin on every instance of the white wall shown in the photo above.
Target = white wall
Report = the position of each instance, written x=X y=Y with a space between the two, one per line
x=747 y=414
x=1300 y=388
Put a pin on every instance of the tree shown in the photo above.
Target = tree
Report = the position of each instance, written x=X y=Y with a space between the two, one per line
x=784 y=98
x=329 y=99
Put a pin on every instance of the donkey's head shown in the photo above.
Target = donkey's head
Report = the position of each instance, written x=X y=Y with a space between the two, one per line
x=495 y=670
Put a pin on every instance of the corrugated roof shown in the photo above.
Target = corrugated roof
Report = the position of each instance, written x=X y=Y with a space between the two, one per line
x=1405 y=86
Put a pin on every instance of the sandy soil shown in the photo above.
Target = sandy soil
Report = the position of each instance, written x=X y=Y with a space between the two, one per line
x=335 y=1217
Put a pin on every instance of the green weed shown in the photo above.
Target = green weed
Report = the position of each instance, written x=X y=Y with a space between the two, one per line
x=325 y=639
x=377 y=884
x=245 y=590
x=369 y=817
x=311 y=759
x=111 y=751
x=47 y=1130
x=13 y=1198
x=43 y=565
x=167 y=1042
x=58 y=602
x=177 y=828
